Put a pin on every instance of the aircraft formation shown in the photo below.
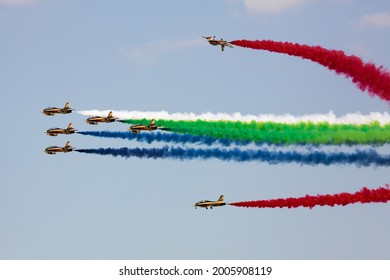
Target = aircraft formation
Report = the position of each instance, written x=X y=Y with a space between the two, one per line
x=137 y=128
x=206 y=132
x=51 y=111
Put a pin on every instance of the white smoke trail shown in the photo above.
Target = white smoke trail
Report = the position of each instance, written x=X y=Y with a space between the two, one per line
x=331 y=118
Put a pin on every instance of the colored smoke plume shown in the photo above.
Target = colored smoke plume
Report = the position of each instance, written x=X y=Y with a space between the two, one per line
x=331 y=118
x=367 y=76
x=278 y=133
x=176 y=138
x=359 y=158
x=365 y=195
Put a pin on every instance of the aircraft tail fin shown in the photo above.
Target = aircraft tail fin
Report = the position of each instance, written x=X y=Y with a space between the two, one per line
x=67 y=106
x=220 y=198
x=70 y=126
x=152 y=122
x=109 y=114
x=67 y=145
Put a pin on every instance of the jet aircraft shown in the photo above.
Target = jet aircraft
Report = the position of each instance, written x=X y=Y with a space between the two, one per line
x=214 y=42
x=98 y=119
x=139 y=127
x=55 y=131
x=50 y=111
x=55 y=149
x=207 y=203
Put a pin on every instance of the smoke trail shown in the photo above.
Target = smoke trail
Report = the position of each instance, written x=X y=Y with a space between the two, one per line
x=359 y=158
x=277 y=133
x=365 y=195
x=331 y=118
x=167 y=137
x=376 y=80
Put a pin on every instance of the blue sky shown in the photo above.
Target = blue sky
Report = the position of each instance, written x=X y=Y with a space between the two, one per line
x=149 y=55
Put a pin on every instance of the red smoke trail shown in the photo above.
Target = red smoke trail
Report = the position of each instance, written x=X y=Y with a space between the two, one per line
x=365 y=195
x=376 y=80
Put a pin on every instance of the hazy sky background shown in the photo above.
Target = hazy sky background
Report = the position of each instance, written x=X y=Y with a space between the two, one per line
x=149 y=55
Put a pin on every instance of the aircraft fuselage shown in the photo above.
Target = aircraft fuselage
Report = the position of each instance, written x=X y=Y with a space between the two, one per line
x=56 y=131
x=139 y=127
x=53 y=111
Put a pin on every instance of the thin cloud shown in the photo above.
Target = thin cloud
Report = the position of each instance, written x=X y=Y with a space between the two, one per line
x=381 y=19
x=150 y=51
x=272 y=6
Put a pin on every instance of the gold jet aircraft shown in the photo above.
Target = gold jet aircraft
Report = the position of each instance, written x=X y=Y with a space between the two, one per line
x=207 y=203
x=98 y=119
x=52 y=150
x=139 y=127
x=214 y=42
x=50 y=111
x=55 y=131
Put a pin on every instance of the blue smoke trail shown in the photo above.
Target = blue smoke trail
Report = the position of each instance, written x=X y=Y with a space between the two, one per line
x=181 y=138
x=168 y=138
x=359 y=158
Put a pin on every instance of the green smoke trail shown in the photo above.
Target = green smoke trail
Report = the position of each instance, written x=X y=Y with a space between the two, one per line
x=280 y=133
